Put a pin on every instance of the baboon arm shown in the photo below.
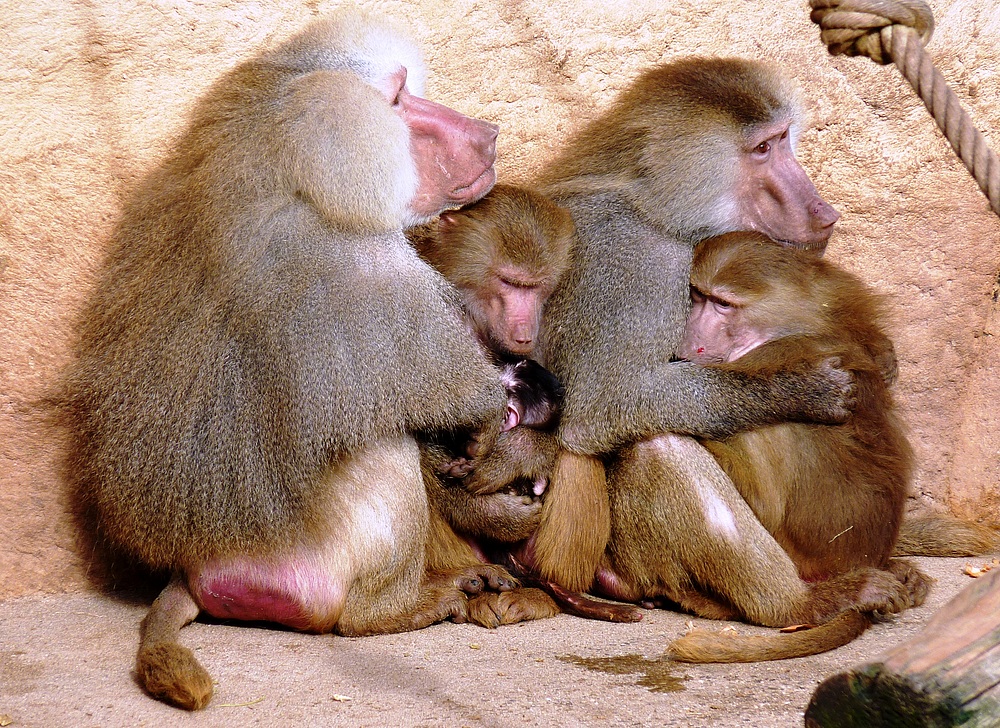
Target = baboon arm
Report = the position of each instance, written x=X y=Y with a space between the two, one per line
x=704 y=402
x=503 y=517
x=520 y=453
x=611 y=330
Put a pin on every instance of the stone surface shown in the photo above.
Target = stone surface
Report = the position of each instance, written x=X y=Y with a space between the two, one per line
x=92 y=91
x=66 y=661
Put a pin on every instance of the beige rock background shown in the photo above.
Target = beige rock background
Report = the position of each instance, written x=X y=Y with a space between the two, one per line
x=92 y=91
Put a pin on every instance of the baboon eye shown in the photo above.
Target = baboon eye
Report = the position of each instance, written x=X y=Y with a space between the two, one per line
x=516 y=284
x=763 y=148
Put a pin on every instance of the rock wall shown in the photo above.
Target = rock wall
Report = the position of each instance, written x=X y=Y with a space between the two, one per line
x=92 y=91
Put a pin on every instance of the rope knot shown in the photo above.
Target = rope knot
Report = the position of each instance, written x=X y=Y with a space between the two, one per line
x=865 y=27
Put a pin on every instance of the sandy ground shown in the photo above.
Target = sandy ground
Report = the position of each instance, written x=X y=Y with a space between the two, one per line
x=67 y=661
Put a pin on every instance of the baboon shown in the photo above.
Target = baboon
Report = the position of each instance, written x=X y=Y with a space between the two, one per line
x=833 y=497
x=693 y=148
x=533 y=395
x=468 y=529
x=504 y=254
x=533 y=400
x=248 y=381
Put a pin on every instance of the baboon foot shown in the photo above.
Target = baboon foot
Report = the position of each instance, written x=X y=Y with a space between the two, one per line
x=492 y=609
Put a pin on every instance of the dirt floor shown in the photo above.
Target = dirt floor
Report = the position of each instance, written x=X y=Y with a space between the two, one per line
x=67 y=661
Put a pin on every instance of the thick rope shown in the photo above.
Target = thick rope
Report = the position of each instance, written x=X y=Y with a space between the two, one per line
x=895 y=31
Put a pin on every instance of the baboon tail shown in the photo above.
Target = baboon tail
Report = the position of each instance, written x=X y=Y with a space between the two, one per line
x=943 y=535
x=166 y=669
x=704 y=646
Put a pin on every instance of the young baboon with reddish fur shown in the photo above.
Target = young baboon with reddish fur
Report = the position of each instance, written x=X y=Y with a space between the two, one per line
x=832 y=496
x=505 y=255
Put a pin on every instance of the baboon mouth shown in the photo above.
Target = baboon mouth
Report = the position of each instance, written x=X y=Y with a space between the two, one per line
x=476 y=188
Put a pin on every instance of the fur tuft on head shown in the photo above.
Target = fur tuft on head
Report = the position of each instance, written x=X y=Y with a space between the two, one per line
x=510 y=228
x=352 y=39
x=802 y=291
x=341 y=65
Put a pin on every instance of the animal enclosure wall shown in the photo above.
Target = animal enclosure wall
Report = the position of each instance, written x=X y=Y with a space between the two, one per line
x=91 y=93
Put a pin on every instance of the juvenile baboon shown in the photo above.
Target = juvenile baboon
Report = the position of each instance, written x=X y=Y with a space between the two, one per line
x=248 y=380
x=693 y=148
x=832 y=496
x=505 y=254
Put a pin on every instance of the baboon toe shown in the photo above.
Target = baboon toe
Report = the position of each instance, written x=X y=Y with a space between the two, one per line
x=498 y=578
x=523 y=605
x=474 y=579
x=484 y=611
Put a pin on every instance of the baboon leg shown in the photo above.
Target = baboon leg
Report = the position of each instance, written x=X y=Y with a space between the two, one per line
x=679 y=525
x=388 y=526
x=705 y=606
x=167 y=670
x=395 y=591
x=576 y=522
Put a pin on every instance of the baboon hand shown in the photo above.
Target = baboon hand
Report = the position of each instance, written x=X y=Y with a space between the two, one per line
x=474 y=579
x=832 y=393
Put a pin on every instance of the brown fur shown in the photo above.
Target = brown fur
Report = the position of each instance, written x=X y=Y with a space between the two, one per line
x=698 y=645
x=940 y=534
x=577 y=498
x=503 y=517
x=505 y=254
x=832 y=496
x=167 y=670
